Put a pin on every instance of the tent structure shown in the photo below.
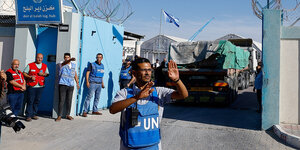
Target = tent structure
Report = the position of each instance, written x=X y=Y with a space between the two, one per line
x=158 y=47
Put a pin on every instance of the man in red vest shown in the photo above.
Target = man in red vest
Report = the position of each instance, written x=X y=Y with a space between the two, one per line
x=35 y=74
x=16 y=87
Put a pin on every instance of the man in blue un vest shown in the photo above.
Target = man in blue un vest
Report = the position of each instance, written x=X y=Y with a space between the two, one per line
x=94 y=81
x=67 y=75
x=126 y=78
x=142 y=106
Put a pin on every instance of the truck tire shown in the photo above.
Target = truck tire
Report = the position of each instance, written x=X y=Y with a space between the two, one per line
x=242 y=83
x=247 y=77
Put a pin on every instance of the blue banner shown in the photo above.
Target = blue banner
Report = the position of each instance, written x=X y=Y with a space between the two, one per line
x=38 y=11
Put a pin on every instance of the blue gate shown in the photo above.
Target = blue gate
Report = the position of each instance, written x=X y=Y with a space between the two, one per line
x=47 y=44
x=101 y=37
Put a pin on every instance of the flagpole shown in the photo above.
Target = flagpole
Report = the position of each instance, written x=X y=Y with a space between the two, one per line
x=160 y=29
x=160 y=21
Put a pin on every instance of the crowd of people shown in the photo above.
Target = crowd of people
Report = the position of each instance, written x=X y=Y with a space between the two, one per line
x=137 y=100
x=32 y=81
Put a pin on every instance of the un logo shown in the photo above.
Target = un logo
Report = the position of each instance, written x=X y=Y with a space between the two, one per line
x=37 y=1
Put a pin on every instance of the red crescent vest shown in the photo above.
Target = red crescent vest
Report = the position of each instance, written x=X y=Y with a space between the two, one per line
x=19 y=78
x=34 y=71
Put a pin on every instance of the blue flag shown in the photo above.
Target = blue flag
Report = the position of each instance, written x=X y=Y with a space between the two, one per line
x=171 y=19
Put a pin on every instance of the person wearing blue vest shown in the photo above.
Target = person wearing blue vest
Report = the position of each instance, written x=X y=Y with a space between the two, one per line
x=126 y=78
x=258 y=86
x=67 y=74
x=142 y=107
x=94 y=82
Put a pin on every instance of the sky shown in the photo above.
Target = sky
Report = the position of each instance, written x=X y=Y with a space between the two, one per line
x=231 y=16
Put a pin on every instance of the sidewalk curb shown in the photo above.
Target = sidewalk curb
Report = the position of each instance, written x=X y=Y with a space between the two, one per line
x=291 y=139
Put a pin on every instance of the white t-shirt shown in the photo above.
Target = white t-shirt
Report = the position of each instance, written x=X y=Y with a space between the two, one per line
x=164 y=96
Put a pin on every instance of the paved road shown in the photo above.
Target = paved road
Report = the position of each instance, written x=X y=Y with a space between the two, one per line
x=183 y=128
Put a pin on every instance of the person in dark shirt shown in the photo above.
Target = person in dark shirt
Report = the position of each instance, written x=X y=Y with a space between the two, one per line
x=16 y=87
x=6 y=115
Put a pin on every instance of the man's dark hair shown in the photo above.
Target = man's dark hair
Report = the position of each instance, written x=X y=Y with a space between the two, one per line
x=100 y=54
x=136 y=57
x=139 y=61
x=259 y=63
x=67 y=54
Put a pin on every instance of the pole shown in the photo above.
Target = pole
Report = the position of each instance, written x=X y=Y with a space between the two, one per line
x=160 y=21
x=160 y=29
x=195 y=35
x=268 y=5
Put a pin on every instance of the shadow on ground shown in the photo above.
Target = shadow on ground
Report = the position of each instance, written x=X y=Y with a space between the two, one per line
x=241 y=114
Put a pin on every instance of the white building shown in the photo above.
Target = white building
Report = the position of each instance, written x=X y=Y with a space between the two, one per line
x=131 y=44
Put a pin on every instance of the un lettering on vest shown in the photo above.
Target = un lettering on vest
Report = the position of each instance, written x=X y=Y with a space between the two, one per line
x=99 y=72
x=149 y=123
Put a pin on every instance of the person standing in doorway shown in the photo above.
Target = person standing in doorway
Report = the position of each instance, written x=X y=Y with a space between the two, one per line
x=35 y=74
x=258 y=86
x=16 y=87
x=67 y=74
x=94 y=82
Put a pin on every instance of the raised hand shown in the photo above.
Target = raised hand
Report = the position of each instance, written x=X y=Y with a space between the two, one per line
x=173 y=72
x=146 y=91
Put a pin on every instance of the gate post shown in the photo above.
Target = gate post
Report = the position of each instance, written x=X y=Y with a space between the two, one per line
x=271 y=67
x=24 y=46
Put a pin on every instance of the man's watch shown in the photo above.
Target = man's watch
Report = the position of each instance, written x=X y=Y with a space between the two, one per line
x=177 y=80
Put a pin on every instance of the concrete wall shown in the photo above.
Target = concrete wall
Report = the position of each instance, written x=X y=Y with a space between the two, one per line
x=68 y=42
x=281 y=71
x=24 y=46
x=7 y=38
x=271 y=68
x=101 y=37
x=138 y=48
x=289 y=81
x=6 y=51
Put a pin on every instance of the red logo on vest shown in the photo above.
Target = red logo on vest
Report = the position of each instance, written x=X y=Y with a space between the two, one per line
x=18 y=77
x=34 y=71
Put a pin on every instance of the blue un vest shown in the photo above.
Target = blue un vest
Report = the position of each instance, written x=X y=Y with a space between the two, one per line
x=97 y=73
x=125 y=73
x=67 y=75
x=147 y=133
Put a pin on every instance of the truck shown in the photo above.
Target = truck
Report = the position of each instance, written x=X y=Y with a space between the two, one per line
x=214 y=71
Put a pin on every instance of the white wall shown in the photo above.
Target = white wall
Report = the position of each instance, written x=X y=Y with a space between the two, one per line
x=24 y=45
x=6 y=52
x=289 y=81
x=68 y=42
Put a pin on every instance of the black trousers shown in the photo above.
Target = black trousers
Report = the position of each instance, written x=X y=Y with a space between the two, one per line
x=65 y=95
x=259 y=96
